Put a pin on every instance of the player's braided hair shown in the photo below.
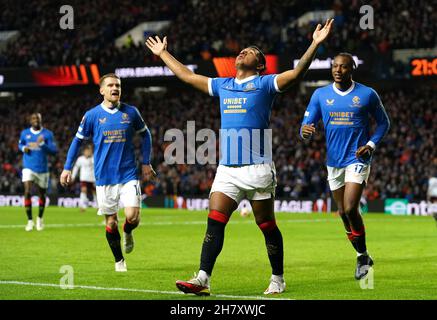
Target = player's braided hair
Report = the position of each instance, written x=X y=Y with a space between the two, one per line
x=261 y=57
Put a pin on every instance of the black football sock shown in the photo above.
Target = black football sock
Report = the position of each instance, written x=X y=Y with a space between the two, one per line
x=348 y=229
x=128 y=227
x=42 y=206
x=113 y=237
x=358 y=231
x=351 y=238
x=213 y=241
x=360 y=240
x=274 y=245
x=28 y=207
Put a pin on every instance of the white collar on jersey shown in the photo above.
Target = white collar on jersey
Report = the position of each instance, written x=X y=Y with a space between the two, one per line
x=111 y=111
x=246 y=79
x=35 y=131
x=343 y=93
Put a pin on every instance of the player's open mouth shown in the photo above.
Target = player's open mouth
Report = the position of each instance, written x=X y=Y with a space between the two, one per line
x=115 y=94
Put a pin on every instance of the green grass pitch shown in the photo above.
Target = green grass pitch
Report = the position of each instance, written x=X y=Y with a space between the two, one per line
x=319 y=260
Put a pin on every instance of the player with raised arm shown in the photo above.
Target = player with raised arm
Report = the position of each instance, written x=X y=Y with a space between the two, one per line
x=36 y=143
x=345 y=107
x=111 y=125
x=84 y=166
x=246 y=167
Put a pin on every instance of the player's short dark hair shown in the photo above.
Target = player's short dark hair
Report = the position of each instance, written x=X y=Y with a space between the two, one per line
x=108 y=75
x=36 y=114
x=352 y=63
x=261 y=57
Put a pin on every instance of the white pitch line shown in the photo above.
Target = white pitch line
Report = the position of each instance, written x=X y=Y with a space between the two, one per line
x=169 y=223
x=152 y=223
x=36 y=284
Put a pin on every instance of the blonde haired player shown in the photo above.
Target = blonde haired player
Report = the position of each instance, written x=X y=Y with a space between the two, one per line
x=111 y=125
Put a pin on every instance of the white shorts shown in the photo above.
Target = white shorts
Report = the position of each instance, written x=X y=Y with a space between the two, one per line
x=255 y=182
x=110 y=196
x=41 y=179
x=356 y=172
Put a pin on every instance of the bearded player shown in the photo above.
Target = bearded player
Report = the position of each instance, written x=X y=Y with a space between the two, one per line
x=246 y=168
x=345 y=107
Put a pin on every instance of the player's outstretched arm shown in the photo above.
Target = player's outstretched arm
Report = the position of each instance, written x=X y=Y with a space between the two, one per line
x=159 y=48
x=288 y=78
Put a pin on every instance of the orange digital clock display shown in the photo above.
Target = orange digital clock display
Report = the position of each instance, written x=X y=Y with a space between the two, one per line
x=424 y=67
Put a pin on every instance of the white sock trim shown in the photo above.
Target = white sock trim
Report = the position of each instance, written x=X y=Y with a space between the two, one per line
x=279 y=278
x=203 y=276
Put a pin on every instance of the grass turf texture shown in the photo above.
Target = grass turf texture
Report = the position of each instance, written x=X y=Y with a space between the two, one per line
x=319 y=260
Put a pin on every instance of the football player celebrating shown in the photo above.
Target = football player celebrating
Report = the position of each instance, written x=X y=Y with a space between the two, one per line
x=36 y=143
x=345 y=106
x=112 y=125
x=246 y=167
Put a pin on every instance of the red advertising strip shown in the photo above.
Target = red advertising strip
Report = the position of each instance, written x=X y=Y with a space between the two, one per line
x=66 y=75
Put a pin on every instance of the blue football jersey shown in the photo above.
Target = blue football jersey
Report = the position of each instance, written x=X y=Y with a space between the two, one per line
x=111 y=131
x=36 y=159
x=245 y=107
x=345 y=116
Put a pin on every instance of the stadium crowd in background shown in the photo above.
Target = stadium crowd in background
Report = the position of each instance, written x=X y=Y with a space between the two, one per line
x=408 y=151
x=402 y=166
x=269 y=25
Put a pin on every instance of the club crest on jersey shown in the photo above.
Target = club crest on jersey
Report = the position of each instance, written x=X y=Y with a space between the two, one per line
x=356 y=102
x=102 y=120
x=329 y=102
x=249 y=87
x=125 y=118
x=28 y=136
